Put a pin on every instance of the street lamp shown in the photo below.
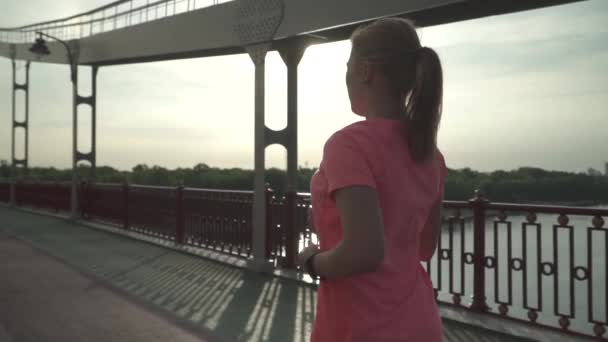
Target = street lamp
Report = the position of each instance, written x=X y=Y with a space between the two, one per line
x=40 y=49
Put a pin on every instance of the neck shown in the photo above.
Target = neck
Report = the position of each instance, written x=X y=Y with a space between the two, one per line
x=386 y=107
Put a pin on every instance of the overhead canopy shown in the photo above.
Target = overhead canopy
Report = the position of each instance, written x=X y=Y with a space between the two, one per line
x=213 y=31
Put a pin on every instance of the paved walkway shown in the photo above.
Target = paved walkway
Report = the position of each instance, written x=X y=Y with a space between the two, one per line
x=43 y=300
x=115 y=289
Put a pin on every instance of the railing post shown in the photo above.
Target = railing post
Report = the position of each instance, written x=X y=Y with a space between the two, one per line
x=125 y=197
x=290 y=230
x=269 y=221
x=479 y=204
x=179 y=232
x=13 y=193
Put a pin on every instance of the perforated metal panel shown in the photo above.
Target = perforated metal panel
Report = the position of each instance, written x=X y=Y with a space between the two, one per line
x=257 y=21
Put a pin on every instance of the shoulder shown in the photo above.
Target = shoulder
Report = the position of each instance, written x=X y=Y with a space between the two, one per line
x=349 y=136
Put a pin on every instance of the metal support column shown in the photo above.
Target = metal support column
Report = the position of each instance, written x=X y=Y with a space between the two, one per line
x=259 y=262
x=92 y=102
x=74 y=187
x=15 y=162
x=89 y=157
x=292 y=54
x=256 y=24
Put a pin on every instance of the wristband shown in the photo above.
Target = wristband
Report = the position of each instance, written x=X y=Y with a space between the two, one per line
x=310 y=268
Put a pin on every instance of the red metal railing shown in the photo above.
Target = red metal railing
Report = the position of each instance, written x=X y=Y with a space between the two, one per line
x=5 y=192
x=105 y=203
x=153 y=210
x=47 y=196
x=288 y=225
x=218 y=219
x=543 y=265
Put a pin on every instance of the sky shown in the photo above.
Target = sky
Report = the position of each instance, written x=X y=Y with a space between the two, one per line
x=525 y=89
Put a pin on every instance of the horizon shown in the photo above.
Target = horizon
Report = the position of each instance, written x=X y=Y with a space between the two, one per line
x=520 y=89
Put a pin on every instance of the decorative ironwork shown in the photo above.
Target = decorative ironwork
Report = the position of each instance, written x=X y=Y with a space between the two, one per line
x=598 y=221
x=564 y=322
x=563 y=220
x=456 y=266
x=532 y=315
x=152 y=211
x=218 y=220
x=580 y=273
x=599 y=233
x=468 y=258
x=516 y=264
x=498 y=270
x=599 y=329
x=528 y=248
x=531 y=217
x=456 y=299
x=501 y=216
x=547 y=268
x=503 y=309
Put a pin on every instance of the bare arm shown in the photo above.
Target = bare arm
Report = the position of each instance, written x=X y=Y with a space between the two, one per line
x=362 y=247
x=431 y=232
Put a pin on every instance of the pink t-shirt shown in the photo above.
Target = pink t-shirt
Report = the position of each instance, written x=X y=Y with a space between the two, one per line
x=396 y=302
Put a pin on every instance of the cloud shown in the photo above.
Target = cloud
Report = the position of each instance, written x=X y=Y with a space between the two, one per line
x=547 y=23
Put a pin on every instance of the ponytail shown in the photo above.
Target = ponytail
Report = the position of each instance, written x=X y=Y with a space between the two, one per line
x=423 y=107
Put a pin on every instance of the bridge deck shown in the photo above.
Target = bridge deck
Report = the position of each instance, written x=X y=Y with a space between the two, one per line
x=134 y=291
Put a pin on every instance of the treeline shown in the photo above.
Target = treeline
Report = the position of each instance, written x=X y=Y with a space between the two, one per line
x=529 y=185
x=526 y=184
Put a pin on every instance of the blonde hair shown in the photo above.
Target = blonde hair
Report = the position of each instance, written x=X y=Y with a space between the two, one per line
x=413 y=72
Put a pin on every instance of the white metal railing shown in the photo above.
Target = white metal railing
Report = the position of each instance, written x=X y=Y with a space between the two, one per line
x=113 y=16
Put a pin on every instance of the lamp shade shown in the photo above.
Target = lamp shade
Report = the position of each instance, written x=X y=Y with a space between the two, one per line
x=39 y=47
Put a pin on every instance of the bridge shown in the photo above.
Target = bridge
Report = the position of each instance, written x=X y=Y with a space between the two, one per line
x=531 y=289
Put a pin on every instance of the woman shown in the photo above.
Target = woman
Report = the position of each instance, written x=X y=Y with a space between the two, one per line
x=377 y=195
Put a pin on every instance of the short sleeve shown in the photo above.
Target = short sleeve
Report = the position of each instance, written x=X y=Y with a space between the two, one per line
x=345 y=163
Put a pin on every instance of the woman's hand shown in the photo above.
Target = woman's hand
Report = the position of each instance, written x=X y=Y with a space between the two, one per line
x=306 y=253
